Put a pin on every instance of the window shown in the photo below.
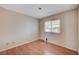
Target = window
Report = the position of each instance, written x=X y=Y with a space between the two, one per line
x=52 y=26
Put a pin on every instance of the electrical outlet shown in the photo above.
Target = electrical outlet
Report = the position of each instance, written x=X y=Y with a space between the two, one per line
x=7 y=43
x=13 y=42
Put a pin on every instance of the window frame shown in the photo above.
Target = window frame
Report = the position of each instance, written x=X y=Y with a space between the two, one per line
x=51 y=28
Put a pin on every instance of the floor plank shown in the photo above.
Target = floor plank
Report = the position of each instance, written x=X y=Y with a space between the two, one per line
x=39 y=47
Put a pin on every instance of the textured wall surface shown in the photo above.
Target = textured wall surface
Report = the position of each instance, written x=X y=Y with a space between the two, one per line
x=16 y=28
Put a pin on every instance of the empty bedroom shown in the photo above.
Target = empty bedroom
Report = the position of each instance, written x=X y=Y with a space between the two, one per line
x=39 y=29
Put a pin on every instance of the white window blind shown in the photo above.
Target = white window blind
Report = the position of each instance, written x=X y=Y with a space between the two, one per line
x=52 y=26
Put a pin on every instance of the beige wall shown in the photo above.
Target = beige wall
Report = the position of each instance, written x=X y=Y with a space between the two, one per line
x=68 y=36
x=16 y=29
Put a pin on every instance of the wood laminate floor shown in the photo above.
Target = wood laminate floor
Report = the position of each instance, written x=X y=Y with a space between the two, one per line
x=39 y=47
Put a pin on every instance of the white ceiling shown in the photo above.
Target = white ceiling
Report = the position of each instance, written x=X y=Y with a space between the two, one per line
x=32 y=9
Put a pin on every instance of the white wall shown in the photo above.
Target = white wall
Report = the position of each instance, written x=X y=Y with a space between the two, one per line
x=16 y=29
x=68 y=36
